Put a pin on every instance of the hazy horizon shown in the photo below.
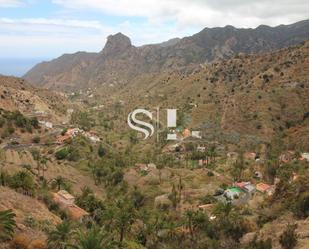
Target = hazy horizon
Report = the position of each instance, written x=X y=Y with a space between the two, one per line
x=18 y=66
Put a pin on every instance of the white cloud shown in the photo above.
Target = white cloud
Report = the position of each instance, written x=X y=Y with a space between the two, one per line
x=10 y=3
x=41 y=37
x=210 y=13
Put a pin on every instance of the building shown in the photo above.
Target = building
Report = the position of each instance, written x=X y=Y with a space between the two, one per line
x=250 y=156
x=186 y=133
x=305 y=156
x=62 y=197
x=62 y=139
x=265 y=188
x=203 y=162
x=92 y=136
x=76 y=213
x=196 y=134
x=286 y=157
x=246 y=186
x=201 y=148
x=66 y=202
x=145 y=167
x=73 y=132
x=46 y=124
x=233 y=193
x=70 y=133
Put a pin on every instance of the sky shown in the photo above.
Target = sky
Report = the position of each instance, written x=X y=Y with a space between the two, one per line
x=45 y=29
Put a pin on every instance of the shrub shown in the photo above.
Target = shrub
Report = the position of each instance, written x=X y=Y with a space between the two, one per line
x=62 y=154
x=20 y=241
x=302 y=207
x=23 y=180
x=210 y=173
x=288 y=238
x=101 y=151
x=10 y=129
x=2 y=122
x=37 y=244
x=36 y=139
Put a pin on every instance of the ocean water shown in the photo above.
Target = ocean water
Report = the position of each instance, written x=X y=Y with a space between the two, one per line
x=18 y=66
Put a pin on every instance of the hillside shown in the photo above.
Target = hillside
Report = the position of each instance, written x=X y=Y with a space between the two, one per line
x=18 y=94
x=249 y=98
x=120 y=62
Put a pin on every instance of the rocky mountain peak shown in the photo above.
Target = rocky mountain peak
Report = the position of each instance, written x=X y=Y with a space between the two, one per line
x=116 y=44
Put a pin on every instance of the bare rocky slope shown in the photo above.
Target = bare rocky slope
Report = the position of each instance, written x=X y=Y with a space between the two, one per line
x=120 y=62
x=18 y=94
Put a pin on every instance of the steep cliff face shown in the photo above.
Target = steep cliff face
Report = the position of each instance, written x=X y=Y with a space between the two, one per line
x=120 y=62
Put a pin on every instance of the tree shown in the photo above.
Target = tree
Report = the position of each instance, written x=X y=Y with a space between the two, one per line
x=212 y=153
x=44 y=165
x=174 y=197
x=23 y=181
x=59 y=182
x=197 y=222
x=62 y=154
x=36 y=155
x=301 y=207
x=124 y=217
x=4 y=178
x=7 y=224
x=101 y=151
x=160 y=166
x=94 y=238
x=61 y=237
x=138 y=198
x=288 y=238
x=238 y=167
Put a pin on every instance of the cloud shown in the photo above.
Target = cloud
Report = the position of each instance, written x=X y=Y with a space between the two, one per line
x=10 y=3
x=241 y=13
x=42 y=37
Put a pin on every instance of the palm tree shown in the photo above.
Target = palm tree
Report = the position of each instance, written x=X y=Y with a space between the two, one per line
x=58 y=182
x=189 y=220
x=61 y=236
x=7 y=224
x=36 y=155
x=93 y=238
x=44 y=165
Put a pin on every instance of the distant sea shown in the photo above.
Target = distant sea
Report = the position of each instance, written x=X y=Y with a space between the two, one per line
x=18 y=66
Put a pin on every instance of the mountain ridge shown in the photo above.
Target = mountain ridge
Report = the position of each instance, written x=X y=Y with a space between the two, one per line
x=120 y=62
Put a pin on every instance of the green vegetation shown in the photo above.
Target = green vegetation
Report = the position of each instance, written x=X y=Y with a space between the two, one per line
x=288 y=239
x=7 y=224
x=9 y=121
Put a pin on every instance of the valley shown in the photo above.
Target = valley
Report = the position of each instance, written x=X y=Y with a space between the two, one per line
x=73 y=172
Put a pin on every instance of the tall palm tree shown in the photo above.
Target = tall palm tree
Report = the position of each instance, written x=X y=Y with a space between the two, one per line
x=61 y=236
x=7 y=224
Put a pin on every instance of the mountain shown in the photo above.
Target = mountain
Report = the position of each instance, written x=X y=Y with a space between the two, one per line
x=247 y=99
x=120 y=62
